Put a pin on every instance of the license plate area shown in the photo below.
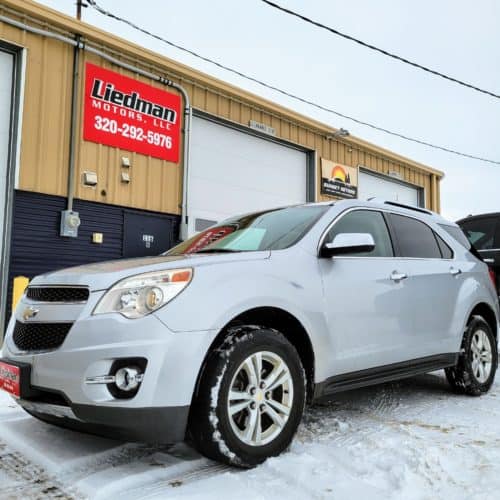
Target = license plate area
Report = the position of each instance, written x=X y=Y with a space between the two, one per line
x=15 y=378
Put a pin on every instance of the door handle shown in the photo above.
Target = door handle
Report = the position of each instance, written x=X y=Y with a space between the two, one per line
x=395 y=276
x=455 y=271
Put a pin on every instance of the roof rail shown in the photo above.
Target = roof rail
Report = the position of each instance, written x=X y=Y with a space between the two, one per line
x=377 y=199
x=409 y=207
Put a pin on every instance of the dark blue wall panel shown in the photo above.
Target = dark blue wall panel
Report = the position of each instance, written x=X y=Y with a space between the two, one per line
x=37 y=248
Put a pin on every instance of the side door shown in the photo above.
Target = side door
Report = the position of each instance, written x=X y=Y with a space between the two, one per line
x=484 y=234
x=367 y=307
x=433 y=283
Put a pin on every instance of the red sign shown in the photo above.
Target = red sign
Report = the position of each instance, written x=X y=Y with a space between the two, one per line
x=10 y=379
x=131 y=115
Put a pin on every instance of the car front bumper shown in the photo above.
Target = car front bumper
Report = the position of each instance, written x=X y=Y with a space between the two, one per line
x=151 y=425
x=62 y=394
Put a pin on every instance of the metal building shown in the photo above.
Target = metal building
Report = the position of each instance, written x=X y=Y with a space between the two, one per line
x=137 y=148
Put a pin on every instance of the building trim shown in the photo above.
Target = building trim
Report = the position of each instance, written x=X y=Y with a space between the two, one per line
x=14 y=139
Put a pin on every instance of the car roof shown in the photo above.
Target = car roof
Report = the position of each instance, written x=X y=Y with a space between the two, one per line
x=397 y=207
x=478 y=216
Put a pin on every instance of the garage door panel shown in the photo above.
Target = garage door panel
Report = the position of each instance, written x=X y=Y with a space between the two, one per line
x=371 y=185
x=236 y=200
x=233 y=172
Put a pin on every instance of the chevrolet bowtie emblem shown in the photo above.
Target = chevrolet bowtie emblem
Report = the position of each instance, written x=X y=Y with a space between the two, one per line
x=29 y=313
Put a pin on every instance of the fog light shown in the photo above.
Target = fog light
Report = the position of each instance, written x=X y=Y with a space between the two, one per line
x=128 y=378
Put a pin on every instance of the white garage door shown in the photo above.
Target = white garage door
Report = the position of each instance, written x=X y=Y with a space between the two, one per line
x=384 y=187
x=6 y=71
x=232 y=173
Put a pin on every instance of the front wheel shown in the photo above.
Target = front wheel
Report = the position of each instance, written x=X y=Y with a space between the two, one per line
x=250 y=398
x=475 y=371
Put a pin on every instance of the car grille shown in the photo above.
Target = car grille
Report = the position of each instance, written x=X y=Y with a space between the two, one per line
x=40 y=336
x=58 y=294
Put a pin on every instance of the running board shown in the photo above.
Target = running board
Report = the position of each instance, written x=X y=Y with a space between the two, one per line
x=381 y=374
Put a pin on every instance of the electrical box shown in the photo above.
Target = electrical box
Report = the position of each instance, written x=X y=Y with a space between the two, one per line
x=90 y=178
x=70 y=222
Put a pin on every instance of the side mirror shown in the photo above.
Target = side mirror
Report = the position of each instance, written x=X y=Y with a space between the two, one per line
x=346 y=243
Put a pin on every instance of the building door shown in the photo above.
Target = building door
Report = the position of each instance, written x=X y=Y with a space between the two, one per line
x=233 y=172
x=382 y=186
x=146 y=234
x=6 y=76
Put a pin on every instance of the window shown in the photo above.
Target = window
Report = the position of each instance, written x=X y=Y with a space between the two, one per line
x=270 y=230
x=415 y=239
x=456 y=233
x=365 y=221
x=480 y=232
x=446 y=251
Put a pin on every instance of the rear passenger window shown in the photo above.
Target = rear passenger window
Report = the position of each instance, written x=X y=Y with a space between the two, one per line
x=365 y=221
x=446 y=251
x=415 y=239
x=456 y=233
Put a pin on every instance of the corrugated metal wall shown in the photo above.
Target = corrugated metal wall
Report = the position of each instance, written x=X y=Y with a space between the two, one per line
x=156 y=185
x=36 y=245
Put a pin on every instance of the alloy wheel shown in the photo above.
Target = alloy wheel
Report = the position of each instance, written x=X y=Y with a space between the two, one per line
x=260 y=398
x=481 y=356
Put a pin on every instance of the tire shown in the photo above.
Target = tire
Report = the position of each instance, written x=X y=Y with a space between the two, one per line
x=472 y=374
x=232 y=438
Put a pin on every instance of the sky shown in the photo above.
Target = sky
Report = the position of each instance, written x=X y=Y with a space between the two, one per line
x=456 y=37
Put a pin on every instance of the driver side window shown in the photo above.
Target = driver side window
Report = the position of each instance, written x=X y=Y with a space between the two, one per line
x=365 y=221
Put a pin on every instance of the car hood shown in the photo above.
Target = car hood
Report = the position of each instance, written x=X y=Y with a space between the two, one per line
x=102 y=275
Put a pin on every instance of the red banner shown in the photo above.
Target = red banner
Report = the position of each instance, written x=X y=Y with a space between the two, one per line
x=131 y=115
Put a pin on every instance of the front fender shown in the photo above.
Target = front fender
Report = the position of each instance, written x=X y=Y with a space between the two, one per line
x=287 y=280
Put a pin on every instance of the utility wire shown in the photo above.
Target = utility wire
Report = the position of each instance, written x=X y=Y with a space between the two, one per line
x=378 y=49
x=104 y=12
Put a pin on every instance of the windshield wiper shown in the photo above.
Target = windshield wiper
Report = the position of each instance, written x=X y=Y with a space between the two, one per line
x=217 y=250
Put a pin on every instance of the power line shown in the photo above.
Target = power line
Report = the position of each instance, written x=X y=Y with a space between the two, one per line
x=378 y=49
x=104 y=12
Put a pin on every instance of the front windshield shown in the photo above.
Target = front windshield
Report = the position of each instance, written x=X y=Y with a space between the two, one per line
x=269 y=230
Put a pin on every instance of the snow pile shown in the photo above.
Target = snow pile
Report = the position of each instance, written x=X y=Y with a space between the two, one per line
x=413 y=440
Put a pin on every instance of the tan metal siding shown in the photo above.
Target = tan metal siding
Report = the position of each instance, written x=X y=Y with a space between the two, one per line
x=46 y=120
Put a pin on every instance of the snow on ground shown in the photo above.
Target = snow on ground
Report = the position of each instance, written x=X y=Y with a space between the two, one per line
x=408 y=440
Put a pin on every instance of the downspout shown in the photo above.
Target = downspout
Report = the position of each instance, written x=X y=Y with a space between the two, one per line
x=78 y=44
x=73 y=126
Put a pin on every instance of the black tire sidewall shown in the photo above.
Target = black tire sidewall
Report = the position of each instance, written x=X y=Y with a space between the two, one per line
x=230 y=356
x=478 y=323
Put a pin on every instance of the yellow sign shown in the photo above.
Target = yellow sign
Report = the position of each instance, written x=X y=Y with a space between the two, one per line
x=338 y=180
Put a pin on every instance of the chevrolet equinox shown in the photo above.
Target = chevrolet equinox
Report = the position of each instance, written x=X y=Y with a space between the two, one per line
x=223 y=339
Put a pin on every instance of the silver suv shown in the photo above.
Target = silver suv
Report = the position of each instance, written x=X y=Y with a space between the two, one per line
x=223 y=339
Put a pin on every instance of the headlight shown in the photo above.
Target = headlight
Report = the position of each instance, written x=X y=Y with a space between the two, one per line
x=139 y=295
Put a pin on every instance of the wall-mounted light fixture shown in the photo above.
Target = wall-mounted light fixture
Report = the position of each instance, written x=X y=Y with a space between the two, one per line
x=342 y=132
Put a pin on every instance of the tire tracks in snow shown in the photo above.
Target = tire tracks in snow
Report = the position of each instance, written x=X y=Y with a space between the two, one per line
x=23 y=479
x=174 y=480
x=348 y=419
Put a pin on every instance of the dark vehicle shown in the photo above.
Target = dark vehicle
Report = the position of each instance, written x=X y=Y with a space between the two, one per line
x=483 y=232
